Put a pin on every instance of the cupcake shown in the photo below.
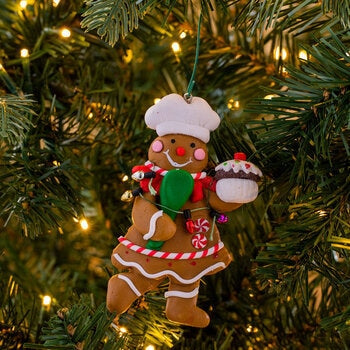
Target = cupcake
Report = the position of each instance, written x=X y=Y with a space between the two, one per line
x=237 y=180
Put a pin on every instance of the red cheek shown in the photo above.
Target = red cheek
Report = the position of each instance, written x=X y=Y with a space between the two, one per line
x=157 y=146
x=199 y=154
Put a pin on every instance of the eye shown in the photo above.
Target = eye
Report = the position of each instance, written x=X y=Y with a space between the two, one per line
x=172 y=140
x=193 y=145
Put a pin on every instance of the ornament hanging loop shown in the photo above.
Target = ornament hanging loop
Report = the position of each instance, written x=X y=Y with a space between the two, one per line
x=188 y=94
x=188 y=97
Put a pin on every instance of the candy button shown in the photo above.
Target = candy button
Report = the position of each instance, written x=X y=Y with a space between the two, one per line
x=199 y=241
x=201 y=225
x=239 y=156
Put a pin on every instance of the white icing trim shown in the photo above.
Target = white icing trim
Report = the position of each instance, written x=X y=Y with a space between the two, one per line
x=179 y=294
x=131 y=284
x=168 y=272
x=239 y=165
x=152 y=224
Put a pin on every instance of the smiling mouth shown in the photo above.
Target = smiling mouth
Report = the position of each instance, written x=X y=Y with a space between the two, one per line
x=176 y=164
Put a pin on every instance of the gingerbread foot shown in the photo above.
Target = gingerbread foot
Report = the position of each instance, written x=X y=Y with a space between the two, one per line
x=119 y=295
x=181 y=308
x=125 y=288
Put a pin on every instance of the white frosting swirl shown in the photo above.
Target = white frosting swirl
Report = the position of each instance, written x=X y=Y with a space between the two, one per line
x=239 y=165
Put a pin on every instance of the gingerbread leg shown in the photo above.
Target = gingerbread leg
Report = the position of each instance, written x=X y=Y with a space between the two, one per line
x=125 y=288
x=181 y=305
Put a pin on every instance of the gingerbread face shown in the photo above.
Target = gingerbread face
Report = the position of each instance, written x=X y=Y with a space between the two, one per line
x=176 y=151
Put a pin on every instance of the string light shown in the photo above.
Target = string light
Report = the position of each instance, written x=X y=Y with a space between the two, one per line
x=1 y=67
x=90 y=115
x=23 y=4
x=150 y=347
x=24 y=53
x=84 y=224
x=183 y=35
x=156 y=100
x=65 y=33
x=128 y=56
x=123 y=330
x=280 y=54
x=176 y=47
x=46 y=300
x=233 y=104
x=55 y=3
x=56 y=163
x=249 y=328
x=127 y=196
x=303 y=54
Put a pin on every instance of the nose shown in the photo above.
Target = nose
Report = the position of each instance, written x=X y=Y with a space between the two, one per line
x=180 y=151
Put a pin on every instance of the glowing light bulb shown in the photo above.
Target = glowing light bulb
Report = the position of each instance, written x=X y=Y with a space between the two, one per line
x=127 y=196
x=303 y=54
x=46 y=300
x=125 y=178
x=283 y=54
x=176 y=47
x=65 y=33
x=84 y=224
x=24 y=53
x=1 y=67
x=23 y=4
x=183 y=35
x=156 y=100
x=128 y=56
x=150 y=347
x=233 y=104
x=55 y=3
x=90 y=115
x=123 y=330
x=249 y=328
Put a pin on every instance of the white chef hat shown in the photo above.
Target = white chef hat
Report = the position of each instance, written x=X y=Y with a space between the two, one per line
x=174 y=115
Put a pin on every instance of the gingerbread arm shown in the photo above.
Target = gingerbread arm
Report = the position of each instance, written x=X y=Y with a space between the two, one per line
x=150 y=221
x=219 y=205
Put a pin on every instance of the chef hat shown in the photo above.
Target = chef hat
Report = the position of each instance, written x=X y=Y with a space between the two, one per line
x=174 y=115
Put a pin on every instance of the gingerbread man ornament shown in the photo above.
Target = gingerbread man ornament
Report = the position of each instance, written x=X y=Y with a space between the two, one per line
x=174 y=235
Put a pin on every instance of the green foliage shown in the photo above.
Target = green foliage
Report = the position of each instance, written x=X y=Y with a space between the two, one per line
x=304 y=144
x=83 y=131
x=291 y=15
x=16 y=115
x=80 y=327
x=113 y=18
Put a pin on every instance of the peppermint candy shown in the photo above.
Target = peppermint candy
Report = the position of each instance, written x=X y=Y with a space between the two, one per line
x=201 y=225
x=199 y=241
